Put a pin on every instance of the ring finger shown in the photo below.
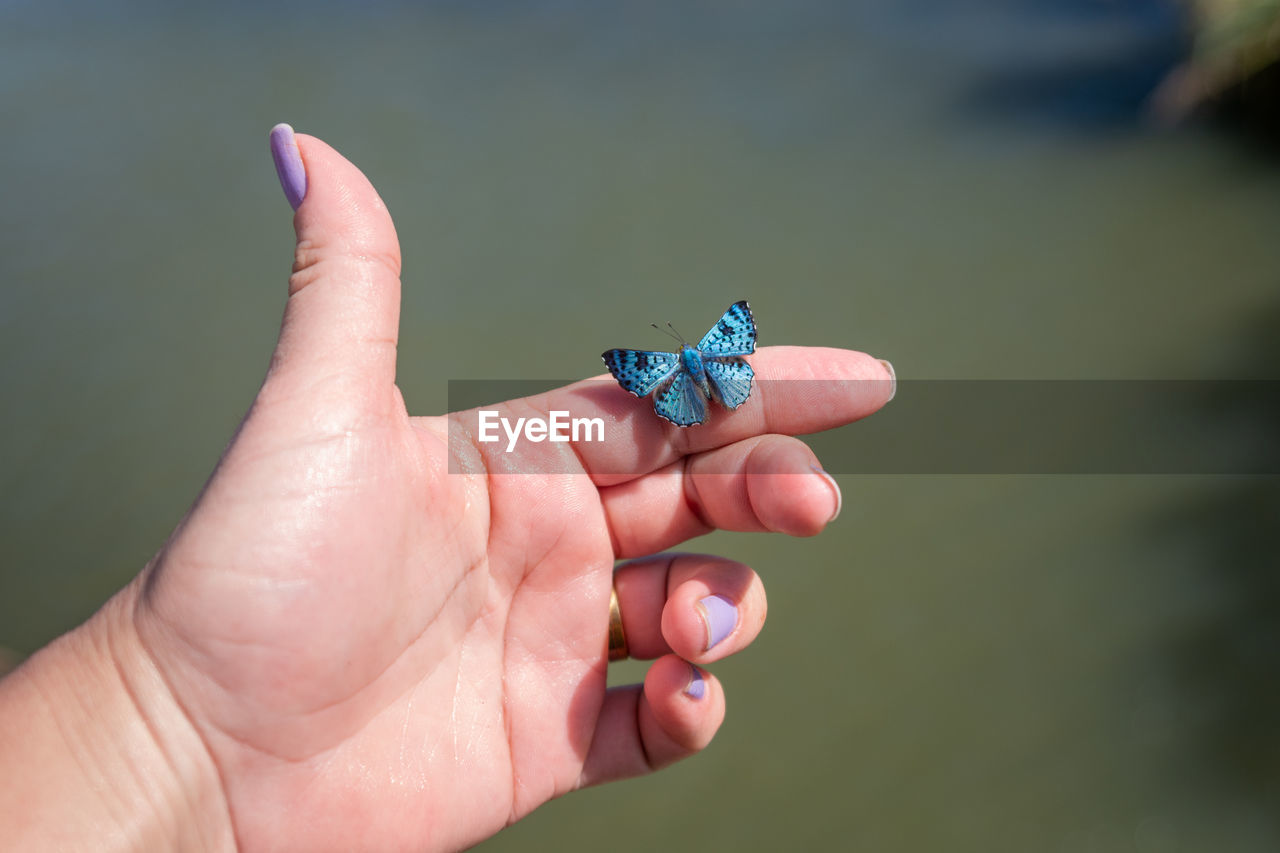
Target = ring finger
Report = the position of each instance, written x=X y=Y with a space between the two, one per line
x=700 y=607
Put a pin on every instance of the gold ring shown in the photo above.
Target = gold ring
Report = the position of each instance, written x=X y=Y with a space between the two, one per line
x=617 y=637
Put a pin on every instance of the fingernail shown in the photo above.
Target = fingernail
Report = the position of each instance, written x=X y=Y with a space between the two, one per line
x=835 y=487
x=697 y=687
x=720 y=617
x=289 y=168
x=893 y=377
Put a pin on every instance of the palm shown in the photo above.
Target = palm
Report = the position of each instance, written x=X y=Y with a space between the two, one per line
x=410 y=604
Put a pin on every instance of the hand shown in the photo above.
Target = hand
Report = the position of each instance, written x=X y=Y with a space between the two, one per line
x=351 y=647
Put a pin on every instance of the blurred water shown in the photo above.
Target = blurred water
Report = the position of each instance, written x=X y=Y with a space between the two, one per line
x=960 y=663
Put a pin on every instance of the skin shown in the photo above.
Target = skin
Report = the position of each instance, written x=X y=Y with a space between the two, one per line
x=345 y=646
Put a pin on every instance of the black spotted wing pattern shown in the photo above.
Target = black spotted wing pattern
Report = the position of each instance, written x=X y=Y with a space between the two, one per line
x=640 y=371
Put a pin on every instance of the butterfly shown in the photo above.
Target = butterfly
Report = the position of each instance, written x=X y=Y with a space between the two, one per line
x=681 y=381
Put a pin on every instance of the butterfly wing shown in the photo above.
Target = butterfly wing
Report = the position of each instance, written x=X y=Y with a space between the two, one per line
x=729 y=379
x=640 y=371
x=679 y=400
x=734 y=334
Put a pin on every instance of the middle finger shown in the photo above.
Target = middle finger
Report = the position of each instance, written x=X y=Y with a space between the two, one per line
x=766 y=483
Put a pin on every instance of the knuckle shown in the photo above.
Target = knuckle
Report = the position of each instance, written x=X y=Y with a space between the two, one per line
x=314 y=261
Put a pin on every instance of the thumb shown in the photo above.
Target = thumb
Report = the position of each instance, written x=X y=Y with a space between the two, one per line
x=343 y=315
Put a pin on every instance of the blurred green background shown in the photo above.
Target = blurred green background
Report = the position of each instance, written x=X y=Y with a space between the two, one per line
x=971 y=190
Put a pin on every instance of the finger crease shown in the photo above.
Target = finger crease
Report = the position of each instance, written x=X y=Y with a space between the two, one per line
x=644 y=748
x=692 y=498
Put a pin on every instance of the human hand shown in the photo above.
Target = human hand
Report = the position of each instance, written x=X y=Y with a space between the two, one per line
x=352 y=645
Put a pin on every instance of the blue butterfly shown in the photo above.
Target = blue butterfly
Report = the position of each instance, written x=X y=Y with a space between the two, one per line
x=681 y=381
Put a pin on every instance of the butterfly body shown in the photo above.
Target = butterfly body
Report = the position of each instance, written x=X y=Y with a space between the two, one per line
x=682 y=382
x=691 y=361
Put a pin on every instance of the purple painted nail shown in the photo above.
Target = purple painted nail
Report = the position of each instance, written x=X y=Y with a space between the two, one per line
x=720 y=617
x=289 y=168
x=697 y=684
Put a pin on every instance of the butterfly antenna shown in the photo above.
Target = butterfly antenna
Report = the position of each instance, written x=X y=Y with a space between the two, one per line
x=668 y=334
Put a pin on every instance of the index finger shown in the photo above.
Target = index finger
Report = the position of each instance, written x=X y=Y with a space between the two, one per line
x=797 y=390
